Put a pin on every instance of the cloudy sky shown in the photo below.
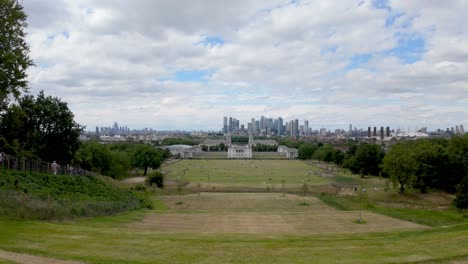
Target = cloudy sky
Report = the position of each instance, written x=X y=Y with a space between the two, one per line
x=169 y=64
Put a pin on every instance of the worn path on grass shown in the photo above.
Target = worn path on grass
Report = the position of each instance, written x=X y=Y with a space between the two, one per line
x=31 y=259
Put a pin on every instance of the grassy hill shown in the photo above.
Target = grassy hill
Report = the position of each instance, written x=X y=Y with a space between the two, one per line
x=45 y=196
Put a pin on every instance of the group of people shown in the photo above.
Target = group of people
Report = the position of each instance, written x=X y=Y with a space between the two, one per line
x=54 y=167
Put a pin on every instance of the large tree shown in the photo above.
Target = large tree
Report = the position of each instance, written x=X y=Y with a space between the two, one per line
x=146 y=156
x=366 y=159
x=401 y=165
x=42 y=127
x=14 y=58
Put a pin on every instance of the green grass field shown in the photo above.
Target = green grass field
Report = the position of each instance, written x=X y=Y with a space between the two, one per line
x=252 y=173
x=256 y=227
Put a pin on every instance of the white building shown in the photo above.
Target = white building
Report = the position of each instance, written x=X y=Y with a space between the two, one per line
x=182 y=151
x=239 y=152
x=290 y=153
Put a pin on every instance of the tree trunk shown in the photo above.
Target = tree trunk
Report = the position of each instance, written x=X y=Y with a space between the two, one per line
x=146 y=169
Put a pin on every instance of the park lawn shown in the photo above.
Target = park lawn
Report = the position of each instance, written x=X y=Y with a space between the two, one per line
x=117 y=243
x=252 y=173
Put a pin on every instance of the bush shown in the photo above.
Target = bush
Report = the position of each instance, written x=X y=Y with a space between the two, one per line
x=461 y=201
x=155 y=177
x=43 y=196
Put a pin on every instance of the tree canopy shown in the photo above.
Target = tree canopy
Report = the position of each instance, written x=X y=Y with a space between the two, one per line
x=41 y=127
x=14 y=52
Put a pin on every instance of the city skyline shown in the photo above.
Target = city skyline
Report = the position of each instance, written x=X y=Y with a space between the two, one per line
x=393 y=63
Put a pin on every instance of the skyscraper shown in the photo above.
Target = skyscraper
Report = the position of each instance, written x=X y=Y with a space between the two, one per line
x=225 y=124
x=280 y=126
x=306 y=127
x=462 y=129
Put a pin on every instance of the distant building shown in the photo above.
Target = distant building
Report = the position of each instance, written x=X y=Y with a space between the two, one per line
x=290 y=153
x=182 y=151
x=239 y=152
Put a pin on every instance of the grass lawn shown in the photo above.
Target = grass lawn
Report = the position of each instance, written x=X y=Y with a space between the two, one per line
x=252 y=173
x=244 y=231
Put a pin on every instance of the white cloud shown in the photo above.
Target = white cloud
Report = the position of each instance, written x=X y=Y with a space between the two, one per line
x=117 y=60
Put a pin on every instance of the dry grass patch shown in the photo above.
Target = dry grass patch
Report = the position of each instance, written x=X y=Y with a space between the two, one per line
x=261 y=213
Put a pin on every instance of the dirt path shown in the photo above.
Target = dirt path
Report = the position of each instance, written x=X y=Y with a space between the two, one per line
x=31 y=259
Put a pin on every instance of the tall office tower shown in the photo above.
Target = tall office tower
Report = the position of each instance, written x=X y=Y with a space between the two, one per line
x=381 y=133
x=462 y=129
x=388 y=131
x=301 y=130
x=375 y=132
x=225 y=124
x=291 y=128
x=350 y=129
x=452 y=130
x=254 y=129
x=230 y=125
x=323 y=131
x=262 y=123
x=306 y=127
x=97 y=131
x=280 y=126
x=368 y=131
x=457 y=130
x=257 y=126
x=296 y=127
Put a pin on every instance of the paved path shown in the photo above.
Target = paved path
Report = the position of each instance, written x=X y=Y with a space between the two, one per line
x=31 y=259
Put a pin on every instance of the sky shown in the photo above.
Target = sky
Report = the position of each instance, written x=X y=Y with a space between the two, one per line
x=185 y=64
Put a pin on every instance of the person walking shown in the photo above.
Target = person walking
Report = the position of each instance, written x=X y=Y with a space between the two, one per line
x=54 y=167
x=2 y=158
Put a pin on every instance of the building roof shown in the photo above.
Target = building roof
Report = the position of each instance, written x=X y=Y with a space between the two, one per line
x=412 y=134
x=239 y=147
x=179 y=147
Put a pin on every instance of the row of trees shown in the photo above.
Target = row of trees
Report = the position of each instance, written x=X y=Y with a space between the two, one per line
x=420 y=164
x=116 y=160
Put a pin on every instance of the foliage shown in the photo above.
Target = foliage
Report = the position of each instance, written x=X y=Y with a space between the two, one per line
x=290 y=143
x=146 y=156
x=42 y=127
x=325 y=153
x=179 y=141
x=45 y=196
x=401 y=166
x=264 y=148
x=239 y=139
x=461 y=201
x=14 y=58
x=156 y=177
x=366 y=159
x=307 y=150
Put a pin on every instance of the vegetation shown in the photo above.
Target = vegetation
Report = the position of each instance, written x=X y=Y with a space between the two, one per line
x=116 y=160
x=14 y=52
x=155 y=177
x=45 y=196
x=255 y=173
x=179 y=141
x=41 y=127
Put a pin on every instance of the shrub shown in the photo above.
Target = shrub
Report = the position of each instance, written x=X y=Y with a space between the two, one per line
x=155 y=177
x=461 y=201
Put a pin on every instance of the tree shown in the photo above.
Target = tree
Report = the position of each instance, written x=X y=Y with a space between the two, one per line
x=461 y=201
x=42 y=127
x=401 y=166
x=14 y=58
x=458 y=156
x=366 y=160
x=146 y=157
x=307 y=150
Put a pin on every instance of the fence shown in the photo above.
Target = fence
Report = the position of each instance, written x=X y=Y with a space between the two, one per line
x=27 y=164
